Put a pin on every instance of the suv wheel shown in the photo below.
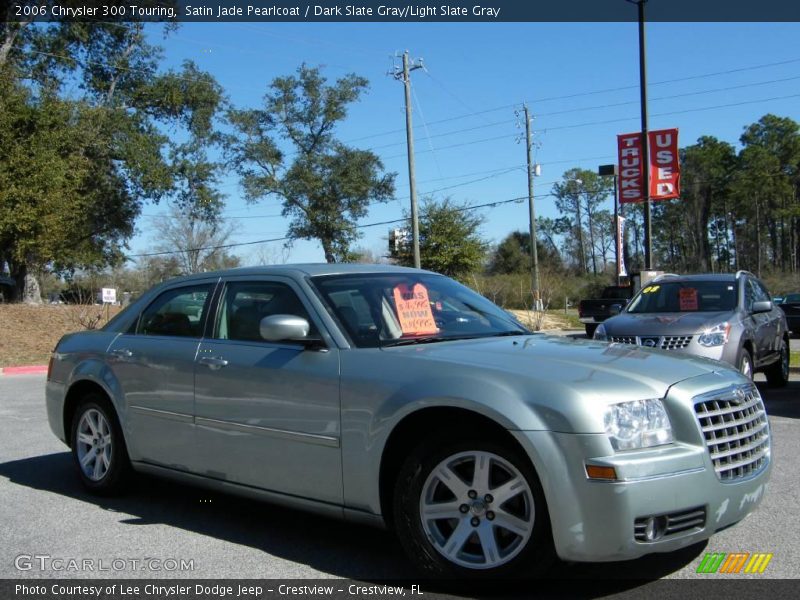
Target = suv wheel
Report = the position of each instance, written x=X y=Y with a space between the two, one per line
x=98 y=447
x=778 y=372
x=745 y=363
x=471 y=509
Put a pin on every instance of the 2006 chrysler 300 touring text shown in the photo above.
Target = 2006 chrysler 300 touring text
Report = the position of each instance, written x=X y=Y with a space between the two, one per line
x=400 y=397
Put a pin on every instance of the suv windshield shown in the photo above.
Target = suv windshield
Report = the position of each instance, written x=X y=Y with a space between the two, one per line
x=385 y=309
x=685 y=296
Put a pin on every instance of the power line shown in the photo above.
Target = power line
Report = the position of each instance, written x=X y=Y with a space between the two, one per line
x=287 y=238
x=588 y=93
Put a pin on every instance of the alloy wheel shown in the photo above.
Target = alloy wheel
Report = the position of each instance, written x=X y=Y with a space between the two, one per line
x=477 y=510
x=94 y=444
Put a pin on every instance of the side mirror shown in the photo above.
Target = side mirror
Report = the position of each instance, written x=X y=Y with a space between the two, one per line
x=615 y=309
x=762 y=306
x=278 y=328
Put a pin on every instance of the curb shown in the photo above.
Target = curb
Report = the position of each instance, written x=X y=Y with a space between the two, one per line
x=24 y=370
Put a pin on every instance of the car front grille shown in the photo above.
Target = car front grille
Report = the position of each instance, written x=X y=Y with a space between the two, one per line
x=735 y=427
x=667 y=342
x=685 y=521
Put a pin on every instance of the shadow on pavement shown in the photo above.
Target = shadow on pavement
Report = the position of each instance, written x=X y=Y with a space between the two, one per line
x=338 y=548
x=781 y=402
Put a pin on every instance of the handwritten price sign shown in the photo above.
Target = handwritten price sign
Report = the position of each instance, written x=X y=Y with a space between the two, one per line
x=414 y=310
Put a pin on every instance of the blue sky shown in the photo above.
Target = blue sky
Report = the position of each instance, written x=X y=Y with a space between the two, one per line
x=563 y=71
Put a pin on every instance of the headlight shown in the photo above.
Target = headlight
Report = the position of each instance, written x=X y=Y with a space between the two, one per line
x=715 y=336
x=600 y=333
x=637 y=424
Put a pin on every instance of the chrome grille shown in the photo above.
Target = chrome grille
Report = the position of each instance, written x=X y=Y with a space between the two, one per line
x=675 y=342
x=685 y=521
x=667 y=342
x=736 y=431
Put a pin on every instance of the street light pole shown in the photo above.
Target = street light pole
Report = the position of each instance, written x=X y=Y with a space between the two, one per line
x=648 y=230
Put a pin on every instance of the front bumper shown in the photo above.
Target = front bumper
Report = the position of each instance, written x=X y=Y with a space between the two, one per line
x=594 y=520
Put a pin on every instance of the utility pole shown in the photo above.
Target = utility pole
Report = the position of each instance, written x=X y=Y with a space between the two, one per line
x=648 y=230
x=404 y=74
x=531 y=210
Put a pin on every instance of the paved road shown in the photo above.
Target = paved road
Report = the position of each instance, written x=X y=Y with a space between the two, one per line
x=44 y=510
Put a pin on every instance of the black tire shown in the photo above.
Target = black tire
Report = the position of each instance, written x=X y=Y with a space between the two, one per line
x=590 y=329
x=778 y=372
x=745 y=357
x=535 y=554
x=118 y=470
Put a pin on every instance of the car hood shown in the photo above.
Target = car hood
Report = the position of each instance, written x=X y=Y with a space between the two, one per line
x=686 y=323
x=583 y=367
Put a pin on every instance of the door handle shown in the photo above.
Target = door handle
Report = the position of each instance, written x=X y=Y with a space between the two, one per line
x=213 y=362
x=122 y=353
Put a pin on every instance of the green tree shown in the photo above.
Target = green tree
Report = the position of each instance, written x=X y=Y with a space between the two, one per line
x=578 y=197
x=449 y=240
x=326 y=186
x=513 y=255
x=112 y=153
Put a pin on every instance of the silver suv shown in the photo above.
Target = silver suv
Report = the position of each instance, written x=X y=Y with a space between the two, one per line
x=728 y=317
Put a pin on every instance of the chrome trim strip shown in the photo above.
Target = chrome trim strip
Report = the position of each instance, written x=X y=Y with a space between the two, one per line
x=164 y=414
x=297 y=436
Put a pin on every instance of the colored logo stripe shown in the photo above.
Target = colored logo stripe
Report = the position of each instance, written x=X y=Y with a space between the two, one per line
x=722 y=562
x=758 y=563
x=734 y=562
x=711 y=562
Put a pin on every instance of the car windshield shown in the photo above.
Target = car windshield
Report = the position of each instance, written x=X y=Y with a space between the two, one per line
x=791 y=299
x=685 y=296
x=390 y=309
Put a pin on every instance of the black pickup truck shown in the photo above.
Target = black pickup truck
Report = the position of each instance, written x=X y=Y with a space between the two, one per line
x=595 y=311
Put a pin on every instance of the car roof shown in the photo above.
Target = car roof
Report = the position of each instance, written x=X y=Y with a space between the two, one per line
x=300 y=270
x=699 y=277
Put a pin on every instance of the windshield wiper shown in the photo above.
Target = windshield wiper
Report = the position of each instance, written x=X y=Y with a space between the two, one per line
x=507 y=333
x=426 y=340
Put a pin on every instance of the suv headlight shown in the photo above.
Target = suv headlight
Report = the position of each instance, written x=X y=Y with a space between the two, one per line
x=600 y=333
x=715 y=336
x=637 y=424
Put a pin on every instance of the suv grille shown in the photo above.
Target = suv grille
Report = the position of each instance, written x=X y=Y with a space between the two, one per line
x=735 y=427
x=667 y=342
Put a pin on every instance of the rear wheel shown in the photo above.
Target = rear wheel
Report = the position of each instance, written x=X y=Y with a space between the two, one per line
x=590 y=329
x=98 y=447
x=745 y=363
x=471 y=509
x=778 y=372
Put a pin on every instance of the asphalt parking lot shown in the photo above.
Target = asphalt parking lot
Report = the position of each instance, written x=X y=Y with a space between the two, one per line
x=45 y=511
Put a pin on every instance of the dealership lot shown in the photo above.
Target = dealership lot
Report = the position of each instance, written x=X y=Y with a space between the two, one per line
x=191 y=533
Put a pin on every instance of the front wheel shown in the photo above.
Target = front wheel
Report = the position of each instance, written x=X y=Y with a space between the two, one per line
x=778 y=372
x=98 y=447
x=472 y=509
x=745 y=363
x=590 y=329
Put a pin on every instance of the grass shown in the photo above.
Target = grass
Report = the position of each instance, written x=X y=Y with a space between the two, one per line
x=28 y=333
x=794 y=358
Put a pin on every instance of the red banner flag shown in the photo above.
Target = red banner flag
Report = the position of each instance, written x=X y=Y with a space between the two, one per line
x=631 y=171
x=665 y=169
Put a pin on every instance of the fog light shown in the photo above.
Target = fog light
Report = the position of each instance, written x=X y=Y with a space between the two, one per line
x=654 y=528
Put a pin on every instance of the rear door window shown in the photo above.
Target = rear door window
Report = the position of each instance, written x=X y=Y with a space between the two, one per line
x=178 y=312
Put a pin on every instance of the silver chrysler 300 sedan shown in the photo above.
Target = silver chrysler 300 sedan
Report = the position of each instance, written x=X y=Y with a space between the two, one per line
x=401 y=398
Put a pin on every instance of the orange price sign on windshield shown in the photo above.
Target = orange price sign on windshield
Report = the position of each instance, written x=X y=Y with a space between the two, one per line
x=687 y=298
x=414 y=310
